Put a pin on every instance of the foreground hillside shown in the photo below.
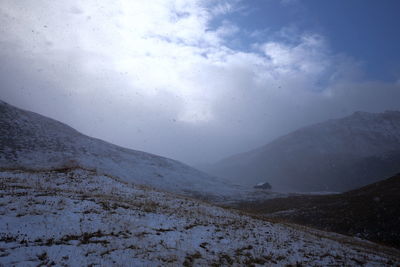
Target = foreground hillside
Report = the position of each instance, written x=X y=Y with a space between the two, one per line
x=78 y=217
x=371 y=212
x=336 y=155
x=31 y=141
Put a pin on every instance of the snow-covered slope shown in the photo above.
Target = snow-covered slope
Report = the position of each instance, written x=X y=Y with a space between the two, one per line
x=31 y=141
x=80 y=218
x=335 y=155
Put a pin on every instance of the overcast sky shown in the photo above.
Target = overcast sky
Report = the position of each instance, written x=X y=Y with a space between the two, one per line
x=198 y=80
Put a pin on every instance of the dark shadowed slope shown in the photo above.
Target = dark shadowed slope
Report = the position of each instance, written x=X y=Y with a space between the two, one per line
x=31 y=141
x=336 y=155
x=371 y=212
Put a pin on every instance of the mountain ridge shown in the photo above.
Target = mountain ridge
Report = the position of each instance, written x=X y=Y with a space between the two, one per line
x=328 y=149
x=31 y=141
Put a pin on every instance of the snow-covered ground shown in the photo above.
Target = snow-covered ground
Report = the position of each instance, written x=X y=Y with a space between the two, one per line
x=78 y=217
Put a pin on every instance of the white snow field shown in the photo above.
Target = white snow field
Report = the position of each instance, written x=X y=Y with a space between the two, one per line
x=77 y=217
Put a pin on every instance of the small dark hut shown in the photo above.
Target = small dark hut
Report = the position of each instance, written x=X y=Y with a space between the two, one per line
x=265 y=186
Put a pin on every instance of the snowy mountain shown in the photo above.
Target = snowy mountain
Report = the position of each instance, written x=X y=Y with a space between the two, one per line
x=33 y=142
x=76 y=217
x=72 y=200
x=335 y=155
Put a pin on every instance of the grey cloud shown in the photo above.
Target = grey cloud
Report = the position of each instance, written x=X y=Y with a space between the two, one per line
x=143 y=104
